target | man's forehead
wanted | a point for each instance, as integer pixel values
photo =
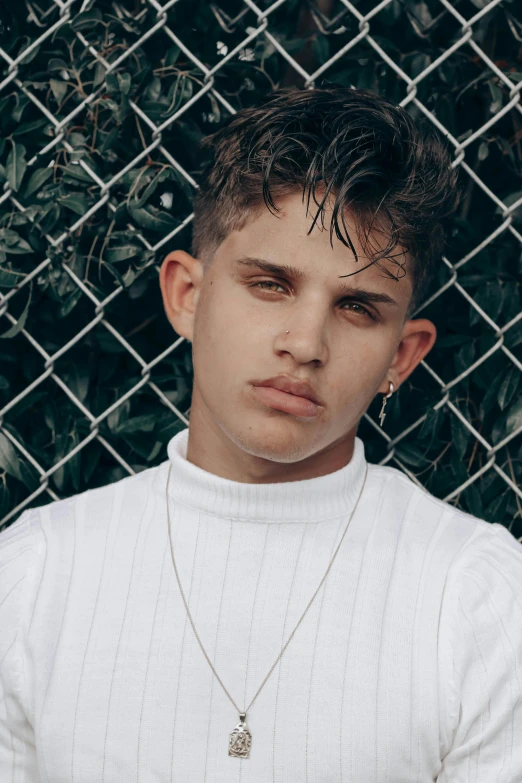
(298, 221)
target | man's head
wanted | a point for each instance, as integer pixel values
(335, 183)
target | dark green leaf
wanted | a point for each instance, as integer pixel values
(460, 435)
(8, 279)
(59, 89)
(491, 396)
(321, 48)
(12, 242)
(56, 64)
(144, 423)
(29, 127)
(483, 151)
(152, 218)
(73, 171)
(69, 302)
(497, 508)
(508, 386)
(30, 55)
(431, 424)
(21, 103)
(16, 165)
(49, 217)
(87, 19)
(36, 180)
(9, 460)
(77, 202)
(124, 83)
(121, 253)
(514, 419)
(172, 55)
(411, 455)
(153, 91)
(474, 501)
(19, 325)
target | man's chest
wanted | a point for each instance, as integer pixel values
(354, 697)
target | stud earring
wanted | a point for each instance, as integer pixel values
(382, 414)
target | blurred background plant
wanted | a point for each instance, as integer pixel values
(102, 108)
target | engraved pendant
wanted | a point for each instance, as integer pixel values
(240, 739)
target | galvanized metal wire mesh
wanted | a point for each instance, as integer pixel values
(108, 102)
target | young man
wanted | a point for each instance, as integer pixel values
(265, 605)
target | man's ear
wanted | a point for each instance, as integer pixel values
(418, 338)
(180, 283)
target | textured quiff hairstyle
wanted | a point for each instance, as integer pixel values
(345, 149)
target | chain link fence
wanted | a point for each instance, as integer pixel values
(103, 105)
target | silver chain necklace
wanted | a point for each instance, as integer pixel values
(240, 739)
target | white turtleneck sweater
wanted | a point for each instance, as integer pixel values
(407, 667)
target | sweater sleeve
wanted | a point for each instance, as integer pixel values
(481, 680)
(20, 545)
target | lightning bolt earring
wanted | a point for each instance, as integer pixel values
(382, 414)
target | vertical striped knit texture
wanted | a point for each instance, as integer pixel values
(407, 667)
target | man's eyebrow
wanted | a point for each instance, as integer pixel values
(345, 289)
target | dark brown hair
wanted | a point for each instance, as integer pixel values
(350, 148)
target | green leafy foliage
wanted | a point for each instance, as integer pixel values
(100, 124)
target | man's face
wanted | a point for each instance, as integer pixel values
(340, 343)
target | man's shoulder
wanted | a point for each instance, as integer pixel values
(426, 516)
(94, 510)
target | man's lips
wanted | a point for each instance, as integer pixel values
(286, 402)
(286, 383)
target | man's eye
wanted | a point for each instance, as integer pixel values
(265, 282)
(362, 310)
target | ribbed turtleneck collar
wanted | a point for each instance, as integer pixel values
(318, 498)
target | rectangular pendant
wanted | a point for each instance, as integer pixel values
(240, 739)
